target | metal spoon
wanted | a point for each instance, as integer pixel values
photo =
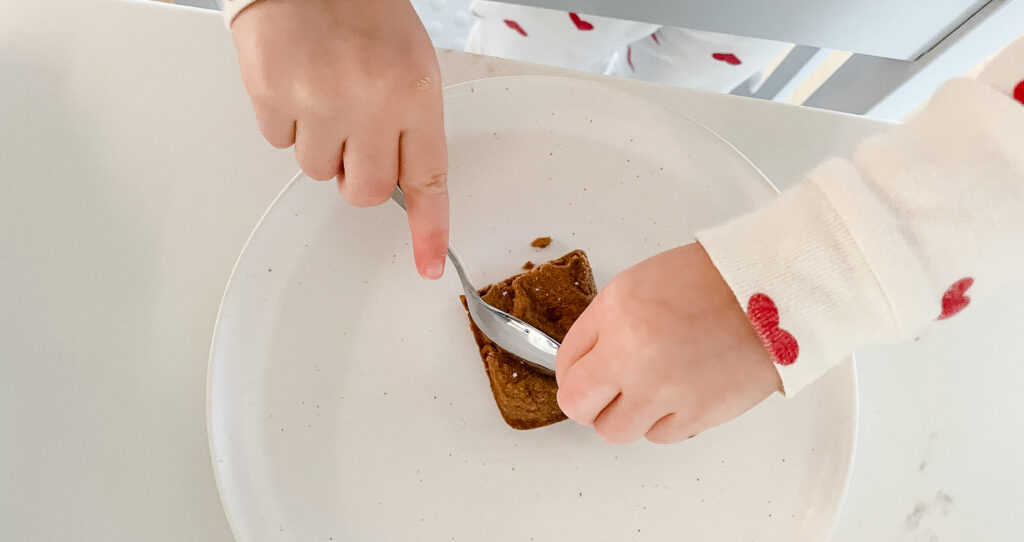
(510, 333)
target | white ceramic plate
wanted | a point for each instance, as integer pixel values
(347, 400)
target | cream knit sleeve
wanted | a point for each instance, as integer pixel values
(918, 224)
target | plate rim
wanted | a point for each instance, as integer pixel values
(848, 366)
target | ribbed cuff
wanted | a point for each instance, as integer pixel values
(806, 285)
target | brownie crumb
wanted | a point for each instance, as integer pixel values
(528, 266)
(541, 242)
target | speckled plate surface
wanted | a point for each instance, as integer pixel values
(347, 400)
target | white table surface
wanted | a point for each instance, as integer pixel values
(132, 173)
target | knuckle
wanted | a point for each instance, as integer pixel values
(668, 396)
(315, 99)
(437, 182)
(340, 101)
(433, 183)
(612, 294)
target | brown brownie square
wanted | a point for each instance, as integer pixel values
(550, 297)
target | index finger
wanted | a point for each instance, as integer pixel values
(423, 176)
(579, 341)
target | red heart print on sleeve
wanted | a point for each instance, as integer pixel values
(764, 316)
(515, 26)
(1018, 92)
(728, 58)
(955, 299)
(580, 23)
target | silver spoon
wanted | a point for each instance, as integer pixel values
(510, 333)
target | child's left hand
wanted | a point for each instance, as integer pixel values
(665, 352)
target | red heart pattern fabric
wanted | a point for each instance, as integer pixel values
(955, 299)
(764, 316)
(580, 23)
(515, 26)
(728, 58)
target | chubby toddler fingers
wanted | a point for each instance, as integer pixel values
(370, 164)
(586, 389)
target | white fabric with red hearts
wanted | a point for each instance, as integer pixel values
(917, 225)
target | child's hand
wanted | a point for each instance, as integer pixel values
(665, 352)
(355, 86)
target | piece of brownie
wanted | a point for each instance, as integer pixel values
(550, 297)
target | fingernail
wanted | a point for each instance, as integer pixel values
(435, 270)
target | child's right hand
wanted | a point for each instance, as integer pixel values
(355, 86)
(664, 351)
